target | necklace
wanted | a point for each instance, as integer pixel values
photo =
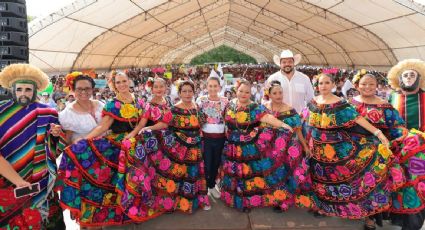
(126, 100)
(274, 110)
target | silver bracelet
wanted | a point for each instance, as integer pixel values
(377, 132)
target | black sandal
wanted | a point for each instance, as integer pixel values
(246, 210)
(277, 209)
(369, 225)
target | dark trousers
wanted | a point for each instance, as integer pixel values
(213, 148)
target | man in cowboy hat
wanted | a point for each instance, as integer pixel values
(27, 153)
(407, 79)
(297, 87)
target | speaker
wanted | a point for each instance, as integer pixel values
(14, 52)
(13, 9)
(14, 38)
(14, 24)
(6, 62)
(13, 32)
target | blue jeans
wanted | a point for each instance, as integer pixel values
(213, 148)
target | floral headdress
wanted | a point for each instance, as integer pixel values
(110, 80)
(149, 84)
(70, 79)
(358, 76)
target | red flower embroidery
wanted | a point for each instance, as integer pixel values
(104, 174)
(374, 115)
(32, 217)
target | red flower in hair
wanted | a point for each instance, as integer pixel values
(70, 79)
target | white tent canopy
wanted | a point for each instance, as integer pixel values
(108, 34)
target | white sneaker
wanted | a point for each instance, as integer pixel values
(207, 208)
(214, 192)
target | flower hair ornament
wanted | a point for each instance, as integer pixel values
(110, 79)
(149, 84)
(358, 76)
(70, 79)
(238, 83)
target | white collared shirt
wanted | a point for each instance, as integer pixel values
(297, 92)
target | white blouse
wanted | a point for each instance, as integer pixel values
(80, 123)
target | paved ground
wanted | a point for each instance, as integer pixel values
(221, 217)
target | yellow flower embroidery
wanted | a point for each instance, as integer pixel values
(382, 166)
(365, 153)
(384, 151)
(241, 117)
(231, 114)
(128, 111)
(363, 141)
(325, 121)
(314, 118)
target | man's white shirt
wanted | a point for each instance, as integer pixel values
(297, 92)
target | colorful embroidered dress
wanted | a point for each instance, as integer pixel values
(26, 144)
(138, 197)
(90, 172)
(179, 182)
(289, 149)
(410, 199)
(349, 172)
(254, 173)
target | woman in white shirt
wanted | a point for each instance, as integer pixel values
(84, 114)
(212, 106)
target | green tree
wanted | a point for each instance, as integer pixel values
(222, 54)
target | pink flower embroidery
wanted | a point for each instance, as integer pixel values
(155, 113)
(293, 152)
(117, 104)
(265, 136)
(369, 179)
(168, 203)
(410, 143)
(164, 164)
(133, 211)
(255, 200)
(280, 143)
(396, 175)
(421, 186)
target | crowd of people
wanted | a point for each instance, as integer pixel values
(154, 141)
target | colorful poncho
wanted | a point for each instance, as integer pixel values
(411, 108)
(26, 144)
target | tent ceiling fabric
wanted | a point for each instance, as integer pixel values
(108, 34)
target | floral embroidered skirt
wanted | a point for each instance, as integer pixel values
(89, 170)
(349, 175)
(135, 173)
(179, 182)
(410, 197)
(259, 169)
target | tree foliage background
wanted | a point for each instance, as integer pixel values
(222, 54)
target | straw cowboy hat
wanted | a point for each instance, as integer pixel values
(23, 72)
(287, 54)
